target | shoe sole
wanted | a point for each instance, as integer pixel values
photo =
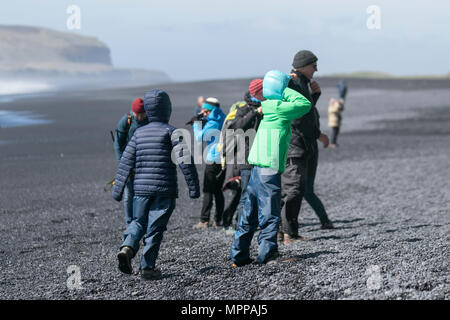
(124, 263)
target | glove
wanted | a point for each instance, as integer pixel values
(197, 117)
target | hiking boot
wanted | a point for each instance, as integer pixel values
(290, 239)
(201, 225)
(242, 263)
(151, 274)
(124, 256)
(280, 236)
(327, 225)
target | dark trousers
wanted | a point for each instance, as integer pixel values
(232, 172)
(334, 134)
(229, 211)
(298, 183)
(245, 178)
(212, 189)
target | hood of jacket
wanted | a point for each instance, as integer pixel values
(274, 83)
(157, 106)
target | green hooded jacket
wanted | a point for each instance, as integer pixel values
(271, 144)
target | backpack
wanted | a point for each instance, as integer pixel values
(109, 185)
(222, 145)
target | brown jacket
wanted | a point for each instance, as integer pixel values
(334, 113)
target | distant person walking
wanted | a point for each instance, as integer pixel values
(125, 129)
(149, 153)
(335, 109)
(302, 161)
(268, 155)
(342, 87)
(213, 119)
(198, 107)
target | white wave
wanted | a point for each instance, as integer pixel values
(23, 86)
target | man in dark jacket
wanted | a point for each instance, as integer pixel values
(149, 153)
(298, 178)
(247, 117)
(125, 129)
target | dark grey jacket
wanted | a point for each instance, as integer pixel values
(305, 130)
(149, 154)
(247, 118)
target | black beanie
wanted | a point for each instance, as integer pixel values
(303, 58)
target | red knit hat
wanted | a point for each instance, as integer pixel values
(138, 106)
(256, 89)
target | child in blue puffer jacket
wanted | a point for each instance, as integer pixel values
(149, 153)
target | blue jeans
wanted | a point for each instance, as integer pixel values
(245, 178)
(150, 218)
(128, 195)
(262, 208)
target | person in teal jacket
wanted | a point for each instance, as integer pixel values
(213, 179)
(124, 132)
(268, 156)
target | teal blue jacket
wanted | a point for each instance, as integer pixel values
(210, 133)
(124, 132)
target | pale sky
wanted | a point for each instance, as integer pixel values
(195, 40)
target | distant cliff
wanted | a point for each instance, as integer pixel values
(63, 57)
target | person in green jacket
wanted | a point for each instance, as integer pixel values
(126, 127)
(268, 156)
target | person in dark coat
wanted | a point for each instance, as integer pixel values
(125, 130)
(149, 153)
(247, 117)
(298, 178)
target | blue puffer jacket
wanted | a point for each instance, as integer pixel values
(210, 133)
(149, 154)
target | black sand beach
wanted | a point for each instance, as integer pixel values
(386, 188)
